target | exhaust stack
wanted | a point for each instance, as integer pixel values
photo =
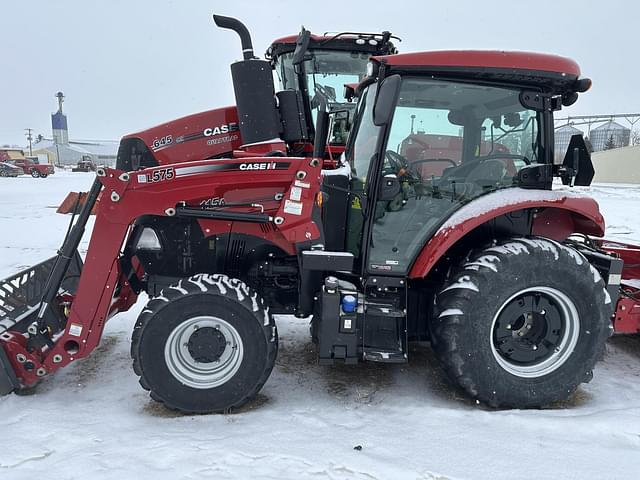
(242, 31)
(253, 88)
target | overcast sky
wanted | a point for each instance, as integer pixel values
(125, 65)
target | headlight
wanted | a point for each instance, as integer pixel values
(148, 240)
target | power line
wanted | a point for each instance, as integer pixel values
(29, 137)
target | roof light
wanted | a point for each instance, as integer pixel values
(361, 41)
(373, 42)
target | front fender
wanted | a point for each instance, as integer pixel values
(565, 212)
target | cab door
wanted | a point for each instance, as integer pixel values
(361, 154)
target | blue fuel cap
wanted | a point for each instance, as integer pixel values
(349, 303)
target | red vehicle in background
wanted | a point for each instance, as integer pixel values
(32, 167)
(29, 165)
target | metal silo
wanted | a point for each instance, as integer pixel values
(563, 136)
(609, 133)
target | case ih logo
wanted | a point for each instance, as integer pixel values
(225, 128)
(258, 166)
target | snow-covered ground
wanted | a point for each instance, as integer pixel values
(92, 419)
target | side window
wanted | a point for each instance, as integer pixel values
(514, 134)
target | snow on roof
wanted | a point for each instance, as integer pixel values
(107, 148)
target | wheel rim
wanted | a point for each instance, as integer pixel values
(34, 173)
(534, 332)
(204, 352)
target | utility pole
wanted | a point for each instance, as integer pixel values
(29, 137)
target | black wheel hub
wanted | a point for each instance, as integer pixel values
(529, 329)
(206, 344)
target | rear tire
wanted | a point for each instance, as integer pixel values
(205, 345)
(43, 175)
(522, 324)
(35, 173)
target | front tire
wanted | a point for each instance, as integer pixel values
(523, 323)
(205, 345)
(43, 175)
(35, 173)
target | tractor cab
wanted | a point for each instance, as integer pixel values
(435, 130)
(449, 152)
(319, 66)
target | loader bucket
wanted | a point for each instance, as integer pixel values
(21, 294)
(73, 202)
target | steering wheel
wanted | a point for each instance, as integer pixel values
(468, 166)
(400, 164)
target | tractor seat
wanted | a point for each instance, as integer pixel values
(487, 173)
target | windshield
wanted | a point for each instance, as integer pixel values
(326, 73)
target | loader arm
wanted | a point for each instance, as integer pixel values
(161, 192)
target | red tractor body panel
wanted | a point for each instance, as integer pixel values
(203, 135)
(627, 315)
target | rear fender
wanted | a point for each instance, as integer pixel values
(560, 214)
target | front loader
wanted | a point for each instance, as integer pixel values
(506, 276)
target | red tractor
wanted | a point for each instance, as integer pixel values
(306, 66)
(503, 274)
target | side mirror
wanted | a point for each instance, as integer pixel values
(389, 188)
(302, 45)
(577, 168)
(386, 101)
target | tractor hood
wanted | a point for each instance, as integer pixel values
(209, 134)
